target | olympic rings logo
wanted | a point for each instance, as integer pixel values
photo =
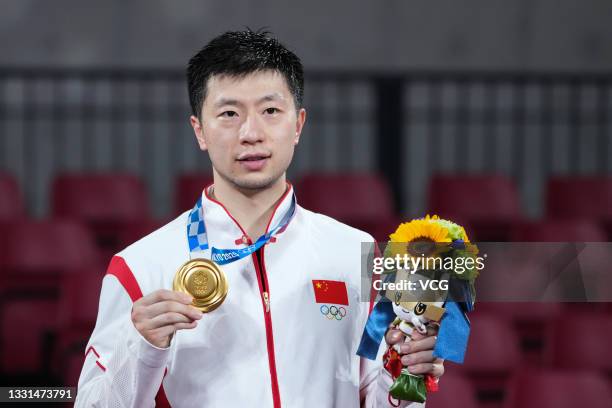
(333, 312)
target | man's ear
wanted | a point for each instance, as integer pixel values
(299, 124)
(199, 132)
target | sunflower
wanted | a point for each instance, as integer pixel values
(425, 229)
(423, 236)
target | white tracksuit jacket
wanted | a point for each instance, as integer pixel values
(245, 353)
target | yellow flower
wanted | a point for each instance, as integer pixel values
(421, 230)
(464, 234)
(420, 237)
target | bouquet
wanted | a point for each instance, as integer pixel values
(426, 251)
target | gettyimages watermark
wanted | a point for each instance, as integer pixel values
(505, 272)
(417, 264)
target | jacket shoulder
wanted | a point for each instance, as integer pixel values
(331, 228)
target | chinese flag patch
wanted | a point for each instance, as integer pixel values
(328, 291)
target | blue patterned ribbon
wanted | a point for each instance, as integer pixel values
(380, 318)
(453, 335)
(198, 238)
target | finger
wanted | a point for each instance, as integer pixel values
(167, 319)
(418, 358)
(435, 369)
(432, 330)
(162, 333)
(394, 336)
(181, 326)
(413, 346)
(159, 308)
(163, 295)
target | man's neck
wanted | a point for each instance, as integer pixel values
(251, 208)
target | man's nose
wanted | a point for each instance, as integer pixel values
(251, 130)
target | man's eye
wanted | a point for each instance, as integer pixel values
(229, 114)
(271, 111)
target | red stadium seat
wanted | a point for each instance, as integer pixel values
(106, 202)
(520, 312)
(489, 204)
(454, 391)
(80, 292)
(77, 313)
(492, 354)
(361, 200)
(188, 189)
(559, 389)
(493, 346)
(530, 321)
(72, 366)
(579, 197)
(581, 341)
(27, 327)
(559, 231)
(38, 253)
(11, 201)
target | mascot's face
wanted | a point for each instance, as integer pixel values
(404, 314)
(411, 311)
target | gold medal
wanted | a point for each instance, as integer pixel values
(204, 281)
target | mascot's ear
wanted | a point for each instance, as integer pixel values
(434, 313)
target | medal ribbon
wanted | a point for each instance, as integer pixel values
(198, 238)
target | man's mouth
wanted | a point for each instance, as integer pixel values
(253, 162)
(253, 157)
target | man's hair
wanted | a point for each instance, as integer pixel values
(239, 53)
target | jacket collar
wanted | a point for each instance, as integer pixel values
(221, 225)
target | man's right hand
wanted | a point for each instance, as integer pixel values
(159, 314)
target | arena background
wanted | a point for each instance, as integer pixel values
(496, 114)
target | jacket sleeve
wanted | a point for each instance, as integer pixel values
(121, 369)
(375, 382)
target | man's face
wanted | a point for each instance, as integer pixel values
(250, 127)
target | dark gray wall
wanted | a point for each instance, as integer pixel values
(390, 34)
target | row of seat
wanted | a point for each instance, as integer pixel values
(499, 370)
(56, 344)
(527, 388)
(577, 208)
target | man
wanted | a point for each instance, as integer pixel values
(269, 343)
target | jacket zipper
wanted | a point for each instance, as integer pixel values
(260, 267)
(264, 287)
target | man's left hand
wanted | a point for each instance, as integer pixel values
(417, 354)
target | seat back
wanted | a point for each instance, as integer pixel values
(579, 197)
(113, 198)
(349, 197)
(559, 389)
(474, 198)
(572, 230)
